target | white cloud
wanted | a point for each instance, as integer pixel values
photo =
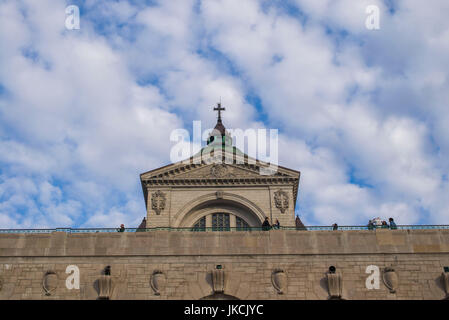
(362, 113)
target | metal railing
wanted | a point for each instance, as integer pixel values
(193, 229)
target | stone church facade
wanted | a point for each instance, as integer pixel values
(203, 240)
(220, 187)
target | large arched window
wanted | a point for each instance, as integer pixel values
(220, 221)
(200, 225)
(241, 224)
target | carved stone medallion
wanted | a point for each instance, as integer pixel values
(281, 200)
(219, 170)
(158, 281)
(49, 282)
(158, 201)
(279, 280)
(391, 279)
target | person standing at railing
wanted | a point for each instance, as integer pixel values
(370, 225)
(277, 225)
(393, 225)
(377, 222)
(122, 228)
(266, 225)
(335, 226)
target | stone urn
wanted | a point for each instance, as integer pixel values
(50, 282)
(279, 280)
(218, 280)
(105, 287)
(334, 283)
(158, 281)
(445, 279)
(390, 279)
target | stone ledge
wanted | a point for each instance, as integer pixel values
(285, 242)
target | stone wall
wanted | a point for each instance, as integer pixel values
(248, 259)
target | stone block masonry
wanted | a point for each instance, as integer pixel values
(183, 265)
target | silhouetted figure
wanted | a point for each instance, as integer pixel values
(122, 228)
(370, 225)
(393, 225)
(266, 224)
(335, 226)
(277, 225)
(299, 225)
(384, 224)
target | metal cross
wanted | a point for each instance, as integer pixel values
(219, 109)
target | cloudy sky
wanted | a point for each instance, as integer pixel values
(363, 114)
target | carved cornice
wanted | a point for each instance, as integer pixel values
(215, 181)
(177, 169)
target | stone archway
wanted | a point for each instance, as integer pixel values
(226, 202)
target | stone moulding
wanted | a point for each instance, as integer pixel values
(279, 280)
(158, 281)
(1, 283)
(49, 282)
(334, 285)
(390, 279)
(445, 279)
(218, 280)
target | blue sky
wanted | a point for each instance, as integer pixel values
(363, 114)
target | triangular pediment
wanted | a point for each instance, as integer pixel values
(218, 170)
(242, 170)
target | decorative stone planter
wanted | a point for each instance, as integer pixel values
(445, 279)
(390, 279)
(105, 287)
(158, 281)
(50, 282)
(218, 280)
(334, 285)
(279, 280)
